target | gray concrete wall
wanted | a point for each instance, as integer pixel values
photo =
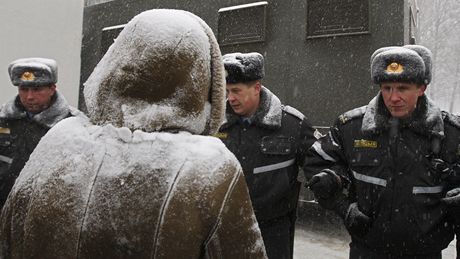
(322, 77)
(45, 28)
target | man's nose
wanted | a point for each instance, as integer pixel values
(394, 95)
(230, 97)
(30, 94)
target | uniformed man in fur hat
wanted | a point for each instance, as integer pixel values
(26, 118)
(269, 139)
(387, 168)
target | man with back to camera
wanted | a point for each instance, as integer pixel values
(387, 168)
(269, 139)
(142, 178)
(25, 119)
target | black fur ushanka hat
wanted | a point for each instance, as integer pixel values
(410, 63)
(243, 67)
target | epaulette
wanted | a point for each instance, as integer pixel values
(293, 111)
(352, 114)
(452, 119)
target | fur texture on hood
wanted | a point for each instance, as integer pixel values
(161, 74)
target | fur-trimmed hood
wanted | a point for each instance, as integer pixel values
(426, 119)
(161, 74)
(268, 114)
(58, 111)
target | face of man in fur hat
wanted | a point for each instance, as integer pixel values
(244, 97)
(401, 98)
(403, 74)
(36, 99)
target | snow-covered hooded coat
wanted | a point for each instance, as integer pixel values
(139, 180)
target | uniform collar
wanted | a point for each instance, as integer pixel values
(268, 114)
(58, 110)
(426, 119)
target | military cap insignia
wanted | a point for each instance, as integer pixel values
(395, 68)
(363, 143)
(27, 76)
(343, 118)
(4, 130)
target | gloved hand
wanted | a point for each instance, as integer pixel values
(356, 222)
(452, 197)
(440, 167)
(324, 184)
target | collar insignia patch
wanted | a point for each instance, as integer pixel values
(221, 135)
(4, 130)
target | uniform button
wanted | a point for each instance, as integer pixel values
(244, 158)
(396, 210)
(244, 129)
(400, 173)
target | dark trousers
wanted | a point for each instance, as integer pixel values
(276, 234)
(360, 252)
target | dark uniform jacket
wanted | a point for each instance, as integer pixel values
(270, 150)
(390, 173)
(19, 135)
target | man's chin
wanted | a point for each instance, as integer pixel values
(399, 113)
(34, 108)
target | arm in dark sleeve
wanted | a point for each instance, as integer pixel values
(327, 153)
(308, 136)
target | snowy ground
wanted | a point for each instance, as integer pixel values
(314, 245)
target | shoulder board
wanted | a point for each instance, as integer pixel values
(452, 119)
(293, 111)
(352, 114)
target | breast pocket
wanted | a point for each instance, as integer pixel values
(277, 145)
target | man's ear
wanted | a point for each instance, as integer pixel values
(422, 90)
(258, 86)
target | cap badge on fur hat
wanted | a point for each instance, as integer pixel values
(395, 68)
(33, 72)
(27, 76)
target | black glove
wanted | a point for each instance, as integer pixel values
(440, 167)
(356, 222)
(452, 197)
(324, 184)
